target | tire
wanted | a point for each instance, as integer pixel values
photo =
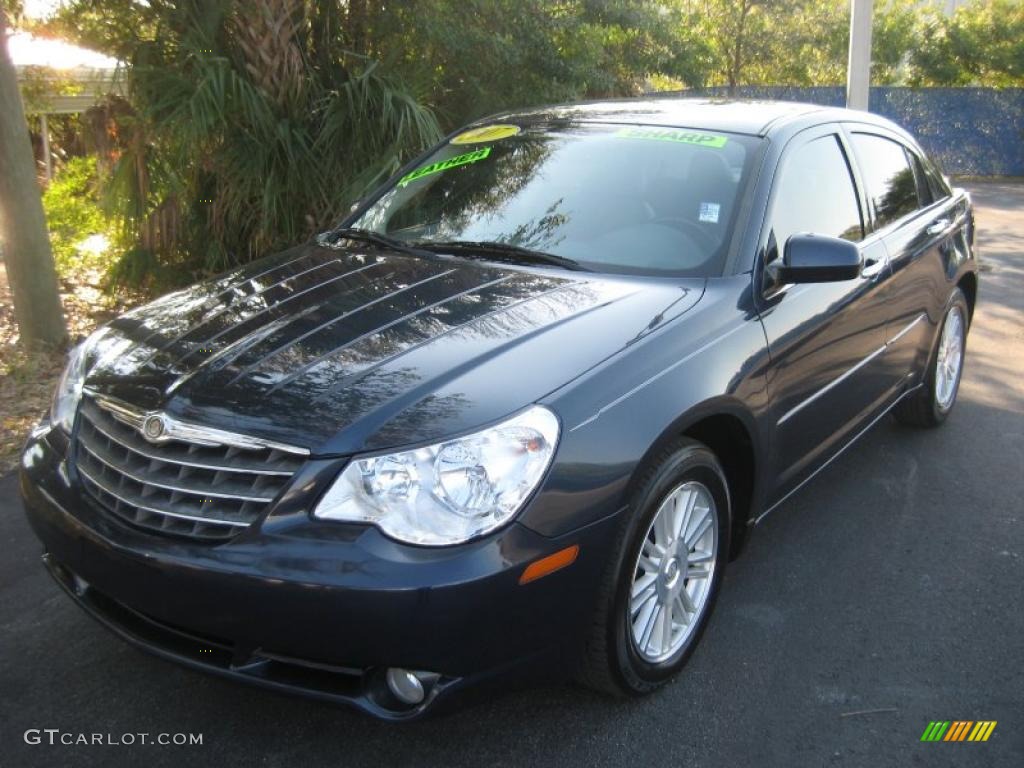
(615, 660)
(932, 403)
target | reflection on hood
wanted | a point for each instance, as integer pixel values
(385, 348)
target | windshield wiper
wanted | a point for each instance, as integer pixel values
(504, 251)
(330, 239)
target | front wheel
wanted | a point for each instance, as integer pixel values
(658, 593)
(932, 403)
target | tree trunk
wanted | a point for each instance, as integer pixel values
(23, 236)
(357, 26)
(736, 65)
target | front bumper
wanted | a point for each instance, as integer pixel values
(316, 608)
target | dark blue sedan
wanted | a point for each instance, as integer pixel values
(516, 412)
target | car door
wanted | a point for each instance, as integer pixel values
(825, 339)
(915, 215)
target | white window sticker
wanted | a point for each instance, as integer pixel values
(709, 212)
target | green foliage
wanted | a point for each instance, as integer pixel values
(801, 42)
(981, 44)
(113, 27)
(12, 10)
(73, 214)
(895, 34)
(478, 57)
(246, 134)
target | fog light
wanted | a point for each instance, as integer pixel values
(404, 685)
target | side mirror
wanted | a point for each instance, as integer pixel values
(811, 258)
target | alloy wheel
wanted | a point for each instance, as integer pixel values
(673, 572)
(950, 359)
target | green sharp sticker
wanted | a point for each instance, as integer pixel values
(673, 134)
(444, 165)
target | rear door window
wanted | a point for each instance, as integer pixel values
(925, 195)
(939, 189)
(888, 177)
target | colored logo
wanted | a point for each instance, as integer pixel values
(673, 134)
(452, 162)
(958, 730)
(487, 133)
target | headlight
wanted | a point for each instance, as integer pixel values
(69, 388)
(449, 492)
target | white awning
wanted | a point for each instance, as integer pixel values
(57, 77)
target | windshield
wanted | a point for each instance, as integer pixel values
(634, 199)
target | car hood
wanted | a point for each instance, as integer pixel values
(340, 351)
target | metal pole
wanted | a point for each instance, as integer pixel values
(46, 146)
(858, 70)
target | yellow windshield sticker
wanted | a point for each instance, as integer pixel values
(443, 165)
(486, 133)
(673, 134)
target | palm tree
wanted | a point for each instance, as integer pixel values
(254, 127)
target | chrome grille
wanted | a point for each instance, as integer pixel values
(199, 487)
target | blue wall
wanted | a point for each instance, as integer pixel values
(968, 131)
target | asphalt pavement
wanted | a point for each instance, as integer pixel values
(886, 594)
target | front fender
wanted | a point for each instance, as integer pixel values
(710, 361)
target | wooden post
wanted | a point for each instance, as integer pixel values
(46, 147)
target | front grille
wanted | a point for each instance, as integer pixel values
(205, 490)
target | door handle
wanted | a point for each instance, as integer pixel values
(937, 227)
(872, 267)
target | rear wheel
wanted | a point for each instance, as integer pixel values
(659, 591)
(932, 403)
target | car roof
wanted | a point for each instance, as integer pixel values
(754, 117)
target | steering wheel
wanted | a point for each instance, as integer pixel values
(688, 227)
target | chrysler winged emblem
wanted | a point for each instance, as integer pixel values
(153, 427)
